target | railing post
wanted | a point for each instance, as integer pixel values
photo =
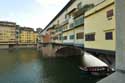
(119, 75)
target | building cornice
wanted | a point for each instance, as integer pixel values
(65, 7)
(98, 8)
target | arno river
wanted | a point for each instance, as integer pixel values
(28, 66)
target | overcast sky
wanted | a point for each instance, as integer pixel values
(31, 13)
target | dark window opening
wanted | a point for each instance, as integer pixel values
(90, 37)
(65, 37)
(80, 35)
(108, 36)
(55, 38)
(110, 13)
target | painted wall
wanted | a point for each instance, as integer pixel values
(28, 37)
(98, 23)
(78, 30)
(7, 35)
(62, 18)
(74, 32)
(68, 33)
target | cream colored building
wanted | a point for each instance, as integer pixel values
(27, 36)
(99, 29)
(68, 28)
(7, 33)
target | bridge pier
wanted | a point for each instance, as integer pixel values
(47, 50)
(119, 75)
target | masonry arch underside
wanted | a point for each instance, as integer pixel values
(86, 59)
(69, 51)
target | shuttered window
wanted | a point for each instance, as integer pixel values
(110, 13)
(65, 38)
(80, 35)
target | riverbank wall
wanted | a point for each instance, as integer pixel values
(17, 46)
(25, 46)
(4, 46)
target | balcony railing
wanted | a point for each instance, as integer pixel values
(58, 28)
(82, 10)
(58, 31)
(79, 12)
(65, 22)
(77, 22)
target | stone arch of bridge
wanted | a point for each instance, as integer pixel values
(69, 51)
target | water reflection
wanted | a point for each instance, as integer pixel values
(58, 71)
(27, 55)
(27, 66)
(7, 60)
(19, 66)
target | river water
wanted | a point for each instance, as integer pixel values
(28, 66)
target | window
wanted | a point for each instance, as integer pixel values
(65, 37)
(71, 37)
(71, 25)
(66, 27)
(52, 33)
(66, 16)
(90, 37)
(55, 38)
(110, 13)
(80, 35)
(108, 36)
(58, 22)
(60, 37)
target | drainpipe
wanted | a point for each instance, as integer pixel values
(119, 75)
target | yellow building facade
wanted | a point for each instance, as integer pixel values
(69, 22)
(27, 36)
(99, 29)
(94, 29)
(75, 34)
(7, 33)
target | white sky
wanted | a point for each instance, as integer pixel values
(31, 13)
(50, 8)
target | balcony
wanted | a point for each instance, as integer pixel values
(79, 12)
(77, 22)
(71, 25)
(82, 10)
(65, 22)
(56, 26)
(59, 30)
